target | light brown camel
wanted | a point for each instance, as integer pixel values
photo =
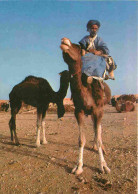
(87, 100)
(122, 99)
(126, 97)
(125, 106)
(124, 103)
(37, 92)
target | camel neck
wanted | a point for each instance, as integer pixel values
(76, 83)
(63, 88)
(76, 77)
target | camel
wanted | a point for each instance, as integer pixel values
(124, 103)
(113, 101)
(126, 97)
(4, 106)
(125, 106)
(38, 93)
(123, 98)
(88, 99)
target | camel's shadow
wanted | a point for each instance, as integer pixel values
(24, 150)
(28, 143)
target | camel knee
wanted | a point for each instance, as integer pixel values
(82, 140)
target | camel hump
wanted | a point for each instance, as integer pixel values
(126, 97)
(31, 78)
(34, 79)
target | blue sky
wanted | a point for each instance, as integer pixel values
(31, 32)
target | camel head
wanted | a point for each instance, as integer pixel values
(64, 76)
(60, 109)
(71, 52)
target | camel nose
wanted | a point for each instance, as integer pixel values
(64, 47)
(65, 41)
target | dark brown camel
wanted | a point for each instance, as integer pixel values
(113, 101)
(87, 100)
(37, 92)
(4, 106)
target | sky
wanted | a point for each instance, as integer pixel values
(31, 32)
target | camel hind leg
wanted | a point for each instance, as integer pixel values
(12, 123)
(41, 112)
(98, 142)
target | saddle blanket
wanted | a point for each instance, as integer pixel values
(93, 65)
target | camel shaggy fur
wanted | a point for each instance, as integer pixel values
(88, 99)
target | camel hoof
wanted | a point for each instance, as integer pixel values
(44, 142)
(17, 144)
(38, 145)
(107, 170)
(61, 119)
(104, 168)
(77, 170)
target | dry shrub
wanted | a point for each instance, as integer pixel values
(69, 108)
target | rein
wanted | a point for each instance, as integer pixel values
(72, 75)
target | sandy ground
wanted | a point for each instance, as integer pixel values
(26, 169)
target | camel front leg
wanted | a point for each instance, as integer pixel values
(43, 128)
(78, 169)
(39, 125)
(103, 165)
(44, 141)
(95, 137)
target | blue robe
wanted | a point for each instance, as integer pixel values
(93, 65)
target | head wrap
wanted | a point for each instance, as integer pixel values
(93, 22)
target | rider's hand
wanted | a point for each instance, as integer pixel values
(98, 52)
(95, 52)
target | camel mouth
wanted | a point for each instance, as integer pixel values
(65, 44)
